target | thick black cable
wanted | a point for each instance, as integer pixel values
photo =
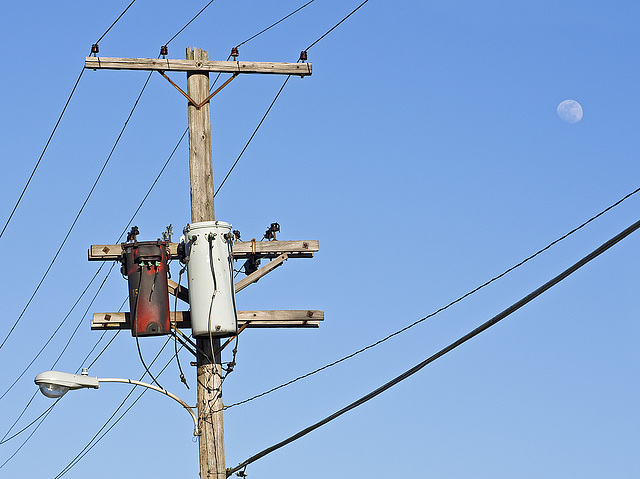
(337, 24)
(79, 212)
(483, 327)
(252, 135)
(274, 24)
(443, 308)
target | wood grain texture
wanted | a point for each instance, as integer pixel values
(197, 65)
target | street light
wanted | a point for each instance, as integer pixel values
(55, 384)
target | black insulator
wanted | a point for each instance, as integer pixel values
(303, 55)
(234, 52)
(95, 49)
(164, 50)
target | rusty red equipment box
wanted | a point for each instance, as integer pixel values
(145, 265)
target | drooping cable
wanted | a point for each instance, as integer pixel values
(483, 327)
(443, 308)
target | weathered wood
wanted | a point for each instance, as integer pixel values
(209, 369)
(260, 272)
(272, 249)
(181, 291)
(302, 318)
(200, 159)
(241, 250)
(197, 65)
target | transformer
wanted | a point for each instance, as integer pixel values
(207, 246)
(145, 266)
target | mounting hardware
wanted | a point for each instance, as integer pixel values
(270, 234)
(132, 236)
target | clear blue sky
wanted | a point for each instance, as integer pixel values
(426, 156)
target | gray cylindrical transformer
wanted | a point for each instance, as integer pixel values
(210, 274)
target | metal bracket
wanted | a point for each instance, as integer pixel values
(191, 100)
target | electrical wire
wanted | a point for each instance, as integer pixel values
(52, 336)
(283, 85)
(28, 437)
(79, 212)
(337, 24)
(95, 439)
(443, 308)
(252, 135)
(35, 168)
(55, 128)
(83, 316)
(483, 327)
(46, 411)
(116, 21)
(189, 22)
(24, 410)
(274, 24)
(101, 171)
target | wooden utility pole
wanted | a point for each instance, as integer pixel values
(209, 367)
(209, 373)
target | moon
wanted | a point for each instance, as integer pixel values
(570, 111)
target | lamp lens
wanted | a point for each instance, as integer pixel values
(53, 390)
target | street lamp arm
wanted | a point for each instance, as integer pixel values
(160, 390)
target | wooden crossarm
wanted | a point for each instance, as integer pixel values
(166, 64)
(257, 319)
(241, 250)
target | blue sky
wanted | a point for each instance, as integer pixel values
(426, 156)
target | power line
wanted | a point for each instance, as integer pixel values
(337, 24)
(443, 308)
(53, 335)
(252, 135)
(116, 21)
(285, 82)
(91, 443)
(189, 22)
(483, 327)
(95, 183)
(55, 128)
(274, 24)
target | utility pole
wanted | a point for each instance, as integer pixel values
(207, 351)
(209, 373)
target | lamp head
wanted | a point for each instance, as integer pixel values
(55, 384)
